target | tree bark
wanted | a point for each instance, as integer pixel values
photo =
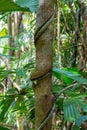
(42, 73)
(11, 52)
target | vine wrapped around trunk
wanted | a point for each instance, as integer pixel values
(42, 73)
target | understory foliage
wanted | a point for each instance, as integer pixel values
(17, 61)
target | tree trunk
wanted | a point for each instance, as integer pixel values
(58, 34)
(11, 52)
(42, 74)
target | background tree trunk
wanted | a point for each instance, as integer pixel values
(42, 74)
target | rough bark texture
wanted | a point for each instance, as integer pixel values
(11, 52)
(42, 74)
(83, 51)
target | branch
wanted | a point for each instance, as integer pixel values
(63, 90)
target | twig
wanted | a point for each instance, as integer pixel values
(63, 90)
(72, 47)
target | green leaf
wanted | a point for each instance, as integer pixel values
(72, 108)
(83, 105)
(20, 72)
(10, 48)
(29, 65)
(59, 103)
(71, 75)
(6, 56)
(5, 37)
(72, 70)
(71, 112)
(4, 73)
(79, 95)
(73, 89)
(3, 128)
(4, 15)
(9, 5)
(80, 120)
(32, 114)
(6, 103)
(31, 4)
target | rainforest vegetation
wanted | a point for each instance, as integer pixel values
(43, 64)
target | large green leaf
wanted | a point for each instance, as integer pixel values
(68, 74)
(70, 108)
(31, 4)
(73, 70)
(9, 5)
(18, 5)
